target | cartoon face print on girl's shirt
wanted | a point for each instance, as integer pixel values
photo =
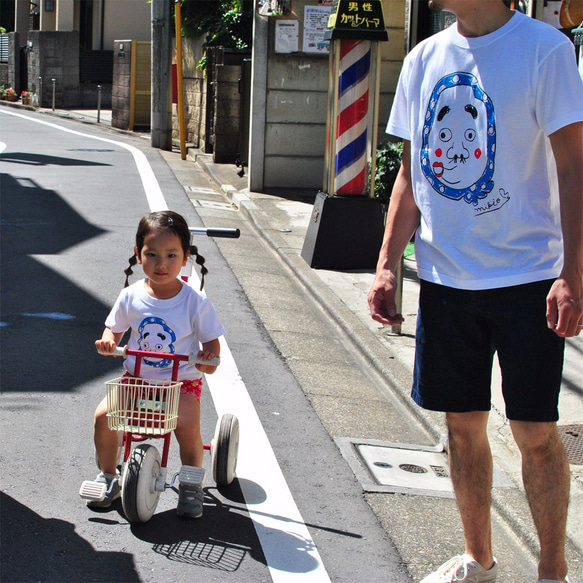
(459, 139)
(156, 336)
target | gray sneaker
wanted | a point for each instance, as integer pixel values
(113, 491)
(190, 501)
(463, 568)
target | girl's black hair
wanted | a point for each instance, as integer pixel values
(175, 223)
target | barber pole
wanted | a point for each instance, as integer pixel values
(352, 120)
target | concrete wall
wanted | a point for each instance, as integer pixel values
(55, 55)
(123, 19)
(289, 102)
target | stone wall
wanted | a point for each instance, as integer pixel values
(55, 55)
(131, 88)
(194, 83)
(226, 114)
(120, 90)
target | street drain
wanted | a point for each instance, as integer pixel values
(403, 468)
(209, 204)
(572, 438)
(200, 190)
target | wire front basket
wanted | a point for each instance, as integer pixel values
(144, 406)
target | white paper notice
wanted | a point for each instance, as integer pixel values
(315, 21)
(286, 36)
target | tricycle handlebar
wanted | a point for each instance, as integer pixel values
(225, 233)
(191, 358)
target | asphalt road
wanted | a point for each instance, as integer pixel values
(71, 199)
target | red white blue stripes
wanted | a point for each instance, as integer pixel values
(352, 119)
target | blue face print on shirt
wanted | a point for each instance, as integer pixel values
(156, 336)
(459, 139)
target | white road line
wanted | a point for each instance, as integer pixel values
(287, 544)
(154, 194)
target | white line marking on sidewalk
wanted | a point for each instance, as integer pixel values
(286, 542)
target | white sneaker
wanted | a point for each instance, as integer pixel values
(463, 568)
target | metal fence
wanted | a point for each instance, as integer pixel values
(3, 47)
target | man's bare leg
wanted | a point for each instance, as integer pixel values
(471, 474)
(546, 476)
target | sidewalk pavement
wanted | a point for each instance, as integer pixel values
(282, 220)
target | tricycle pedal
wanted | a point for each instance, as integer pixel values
(191, 475)
(92, 490)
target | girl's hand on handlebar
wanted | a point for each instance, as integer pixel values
(105, 347)
(108, 341)
(206, 355)
(209, 350)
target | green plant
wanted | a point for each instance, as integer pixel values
(226, 23)
(388, 162)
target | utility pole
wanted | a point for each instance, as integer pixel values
(161, 118)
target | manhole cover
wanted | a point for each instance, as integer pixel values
(406, 468)
(403, 468)
(572, 438)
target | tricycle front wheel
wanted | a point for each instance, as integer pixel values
(138, 490)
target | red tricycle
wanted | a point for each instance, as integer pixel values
(143, 409)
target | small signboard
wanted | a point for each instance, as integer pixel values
(357, 19)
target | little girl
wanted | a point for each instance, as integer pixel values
(164, 315)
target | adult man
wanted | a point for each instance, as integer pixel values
(480, 107)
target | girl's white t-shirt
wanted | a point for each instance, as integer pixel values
(478, 113)
(177, 325)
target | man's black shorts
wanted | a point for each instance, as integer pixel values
(458, 332)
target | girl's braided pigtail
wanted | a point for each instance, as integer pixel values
(128, 271)
(199, 261)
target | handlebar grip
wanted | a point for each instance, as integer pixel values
(225, 233)
(193, 359)
(117, 351)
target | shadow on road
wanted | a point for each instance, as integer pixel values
(43, 314)
(47, 549)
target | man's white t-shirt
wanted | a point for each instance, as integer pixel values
(478, 113)
(177, 326)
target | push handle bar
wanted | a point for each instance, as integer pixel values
(191, 358)
(225, 233)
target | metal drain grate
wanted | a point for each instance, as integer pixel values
(572, 438)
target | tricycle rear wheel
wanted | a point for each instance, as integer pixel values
(225, 449)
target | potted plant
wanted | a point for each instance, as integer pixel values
(11, 94)
(25, 97)
(388, 162)
(2, 93)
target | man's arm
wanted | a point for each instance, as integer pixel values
(402, 220)
(565, 300)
